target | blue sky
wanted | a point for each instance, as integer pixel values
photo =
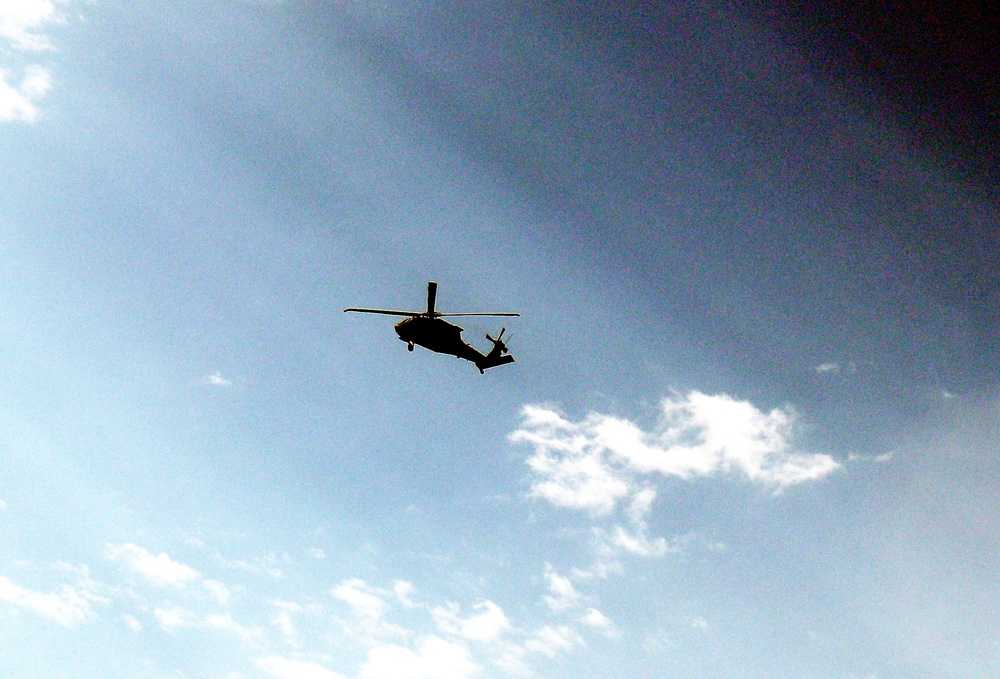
(752, 426)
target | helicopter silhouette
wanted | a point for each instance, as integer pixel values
(429, 330)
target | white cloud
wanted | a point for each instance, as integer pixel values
(284, 668)
(571, 469)
(160, 570)
(17, 103)
(434, 658)
(592, 464)
(217, 380)
(69, 606)
(488, 625)
(827, 368)
(596, 620)
(482, 632)
(21, 20)
(607, 465)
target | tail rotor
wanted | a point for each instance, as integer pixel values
(498, 343)
(498, 354)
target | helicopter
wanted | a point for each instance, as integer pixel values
(431, 331)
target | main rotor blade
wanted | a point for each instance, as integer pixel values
(387, 312)
(487, 313)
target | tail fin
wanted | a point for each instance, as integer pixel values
(492, 361)
(498, 354)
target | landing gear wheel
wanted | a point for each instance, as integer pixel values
(409, 346)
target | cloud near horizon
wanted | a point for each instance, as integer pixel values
(457, 645)
(394, 634)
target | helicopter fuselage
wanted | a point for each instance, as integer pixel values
(446, 338)
(437, 335)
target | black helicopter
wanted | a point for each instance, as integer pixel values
(429, 330)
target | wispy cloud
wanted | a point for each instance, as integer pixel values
(833, 368)
(285, 616)
(172, 618)
(553, 640)
(562, 595)
(266, 565)
(883, 457)
(218, 590)
(635, 538)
